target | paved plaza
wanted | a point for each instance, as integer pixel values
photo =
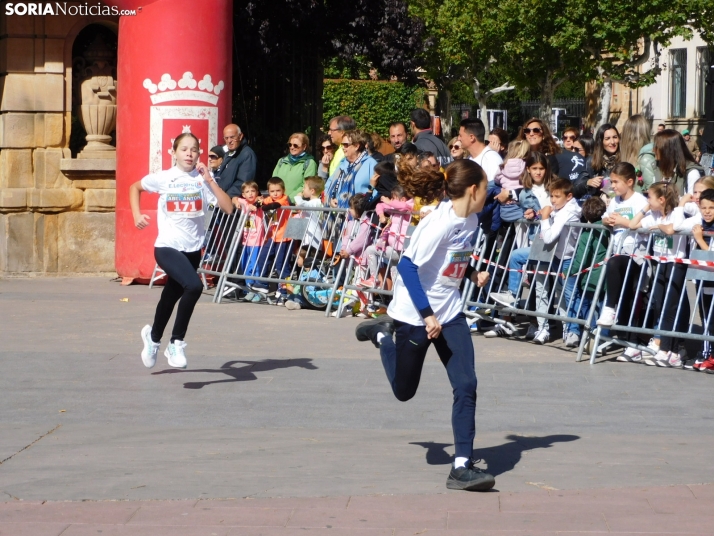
(284, 424)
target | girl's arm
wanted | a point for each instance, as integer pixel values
(224, 200)
(141, 221)
(636, 222)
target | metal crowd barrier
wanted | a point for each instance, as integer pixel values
(536, 278)
(657, 285)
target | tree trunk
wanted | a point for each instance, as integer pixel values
(545, 111)
(605, 98)
(482, 100)
(447, 120)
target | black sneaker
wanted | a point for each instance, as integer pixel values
(470, 478)
(368, 331)
(689, 363)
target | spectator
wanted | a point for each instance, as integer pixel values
(427, 160)
(397, 134)
(661, 127)
(570, 135)
(297, 165)
(584, 146)
(239, 163)
(638, 150)
(605, 155)
(424, 138)
(327, 149)
(472, 135)
(691, 144)
(353, 174)
(382, 182)
(338, 126)
(675, 162)
(374, 146)
(215, 159)
(498, 141)
(454, 145)
(538, 135)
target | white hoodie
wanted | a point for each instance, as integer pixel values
(553, 228)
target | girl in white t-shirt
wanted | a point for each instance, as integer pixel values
(184, 191)
(668, 300)
(427, 308)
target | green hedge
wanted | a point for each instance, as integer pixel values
(372, 104)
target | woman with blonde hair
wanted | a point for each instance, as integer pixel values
(637, 149)
(297, 165)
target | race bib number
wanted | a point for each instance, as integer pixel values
(184, 205)
(455, 271)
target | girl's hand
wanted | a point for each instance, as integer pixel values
(344, 254)
(141, 221)
(236, 202)
(482, 279)
(382, 219)
(667, 228)
(433, 328)
(529, 214)
(203, 170)
(595, 182)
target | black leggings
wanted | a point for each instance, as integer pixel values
(403, 359)
(616, 282)
(184, 284)
(670, 284)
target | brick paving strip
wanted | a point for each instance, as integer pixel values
(653, 510)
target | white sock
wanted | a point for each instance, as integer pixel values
(380, 336)
(460, 462)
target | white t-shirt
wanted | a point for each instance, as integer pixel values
(542, 195)
(627, 209)
(441, 247)
(490, 161)
(182, 199)
(692, 177)
(662, 244)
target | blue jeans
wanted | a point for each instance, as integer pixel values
(542, 287)
(519, 258)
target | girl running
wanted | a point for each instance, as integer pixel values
(183, 192)
(426, 309)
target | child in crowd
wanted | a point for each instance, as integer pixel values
(253, 232)
(509, 178)
(398, 202)
(311, 197)
(690, 202)
(668, 293)
(532, 199)
(274, 255)
(704, 362)
(591, 250)
(623, 272)
(564, 209)
(391, 242)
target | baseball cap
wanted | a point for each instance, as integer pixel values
(685, 132)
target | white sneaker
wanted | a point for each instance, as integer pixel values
(151, 348)
(532, 332)
(630, 355)
(661, 359)
(175, 354)
(572, 340)
(542, 337)
(504, 298)
(652, 345)
(292, 305)
(676, 360)
(607, 317)
(499, 330)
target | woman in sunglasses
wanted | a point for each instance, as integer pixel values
(455, 149)
(297, 165)
(570, 136)
(538, 136)
(215, 159)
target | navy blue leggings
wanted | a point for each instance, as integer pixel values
(403, 359)
(183, 284)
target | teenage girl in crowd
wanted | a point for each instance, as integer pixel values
(426, 309)
(598, 167)
(184, 191)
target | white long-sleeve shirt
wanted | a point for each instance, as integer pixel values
(553, 228)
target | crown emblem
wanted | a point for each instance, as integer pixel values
(187, 88)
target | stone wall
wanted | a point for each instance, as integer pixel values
(56, 213)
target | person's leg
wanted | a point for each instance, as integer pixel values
(578, 309)
(185, 283)
(250, 257)
(372, 261)
(542, 294)
(674, 308)
(518, 260)
(456, 351)
(657, 314)
(403, 358)
(282, 259)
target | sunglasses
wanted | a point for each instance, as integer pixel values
(345, 144)
(327, 147)
(533, 130)
(294, 145)
(457, 147)
(213, 157)
(571, 138)
(579, 149)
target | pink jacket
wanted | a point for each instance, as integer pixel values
(396, 233)
(254, 231)
(401, 206)
(363, 238)
(510, 176)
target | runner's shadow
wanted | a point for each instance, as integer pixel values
(241, 374)
(499, 459)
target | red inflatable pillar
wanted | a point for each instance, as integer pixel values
(174, 75)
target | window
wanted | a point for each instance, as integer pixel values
(678, 82)
(704, 59)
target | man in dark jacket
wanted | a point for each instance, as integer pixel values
(239, 163)
(424, 138)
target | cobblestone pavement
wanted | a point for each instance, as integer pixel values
(284, 422)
